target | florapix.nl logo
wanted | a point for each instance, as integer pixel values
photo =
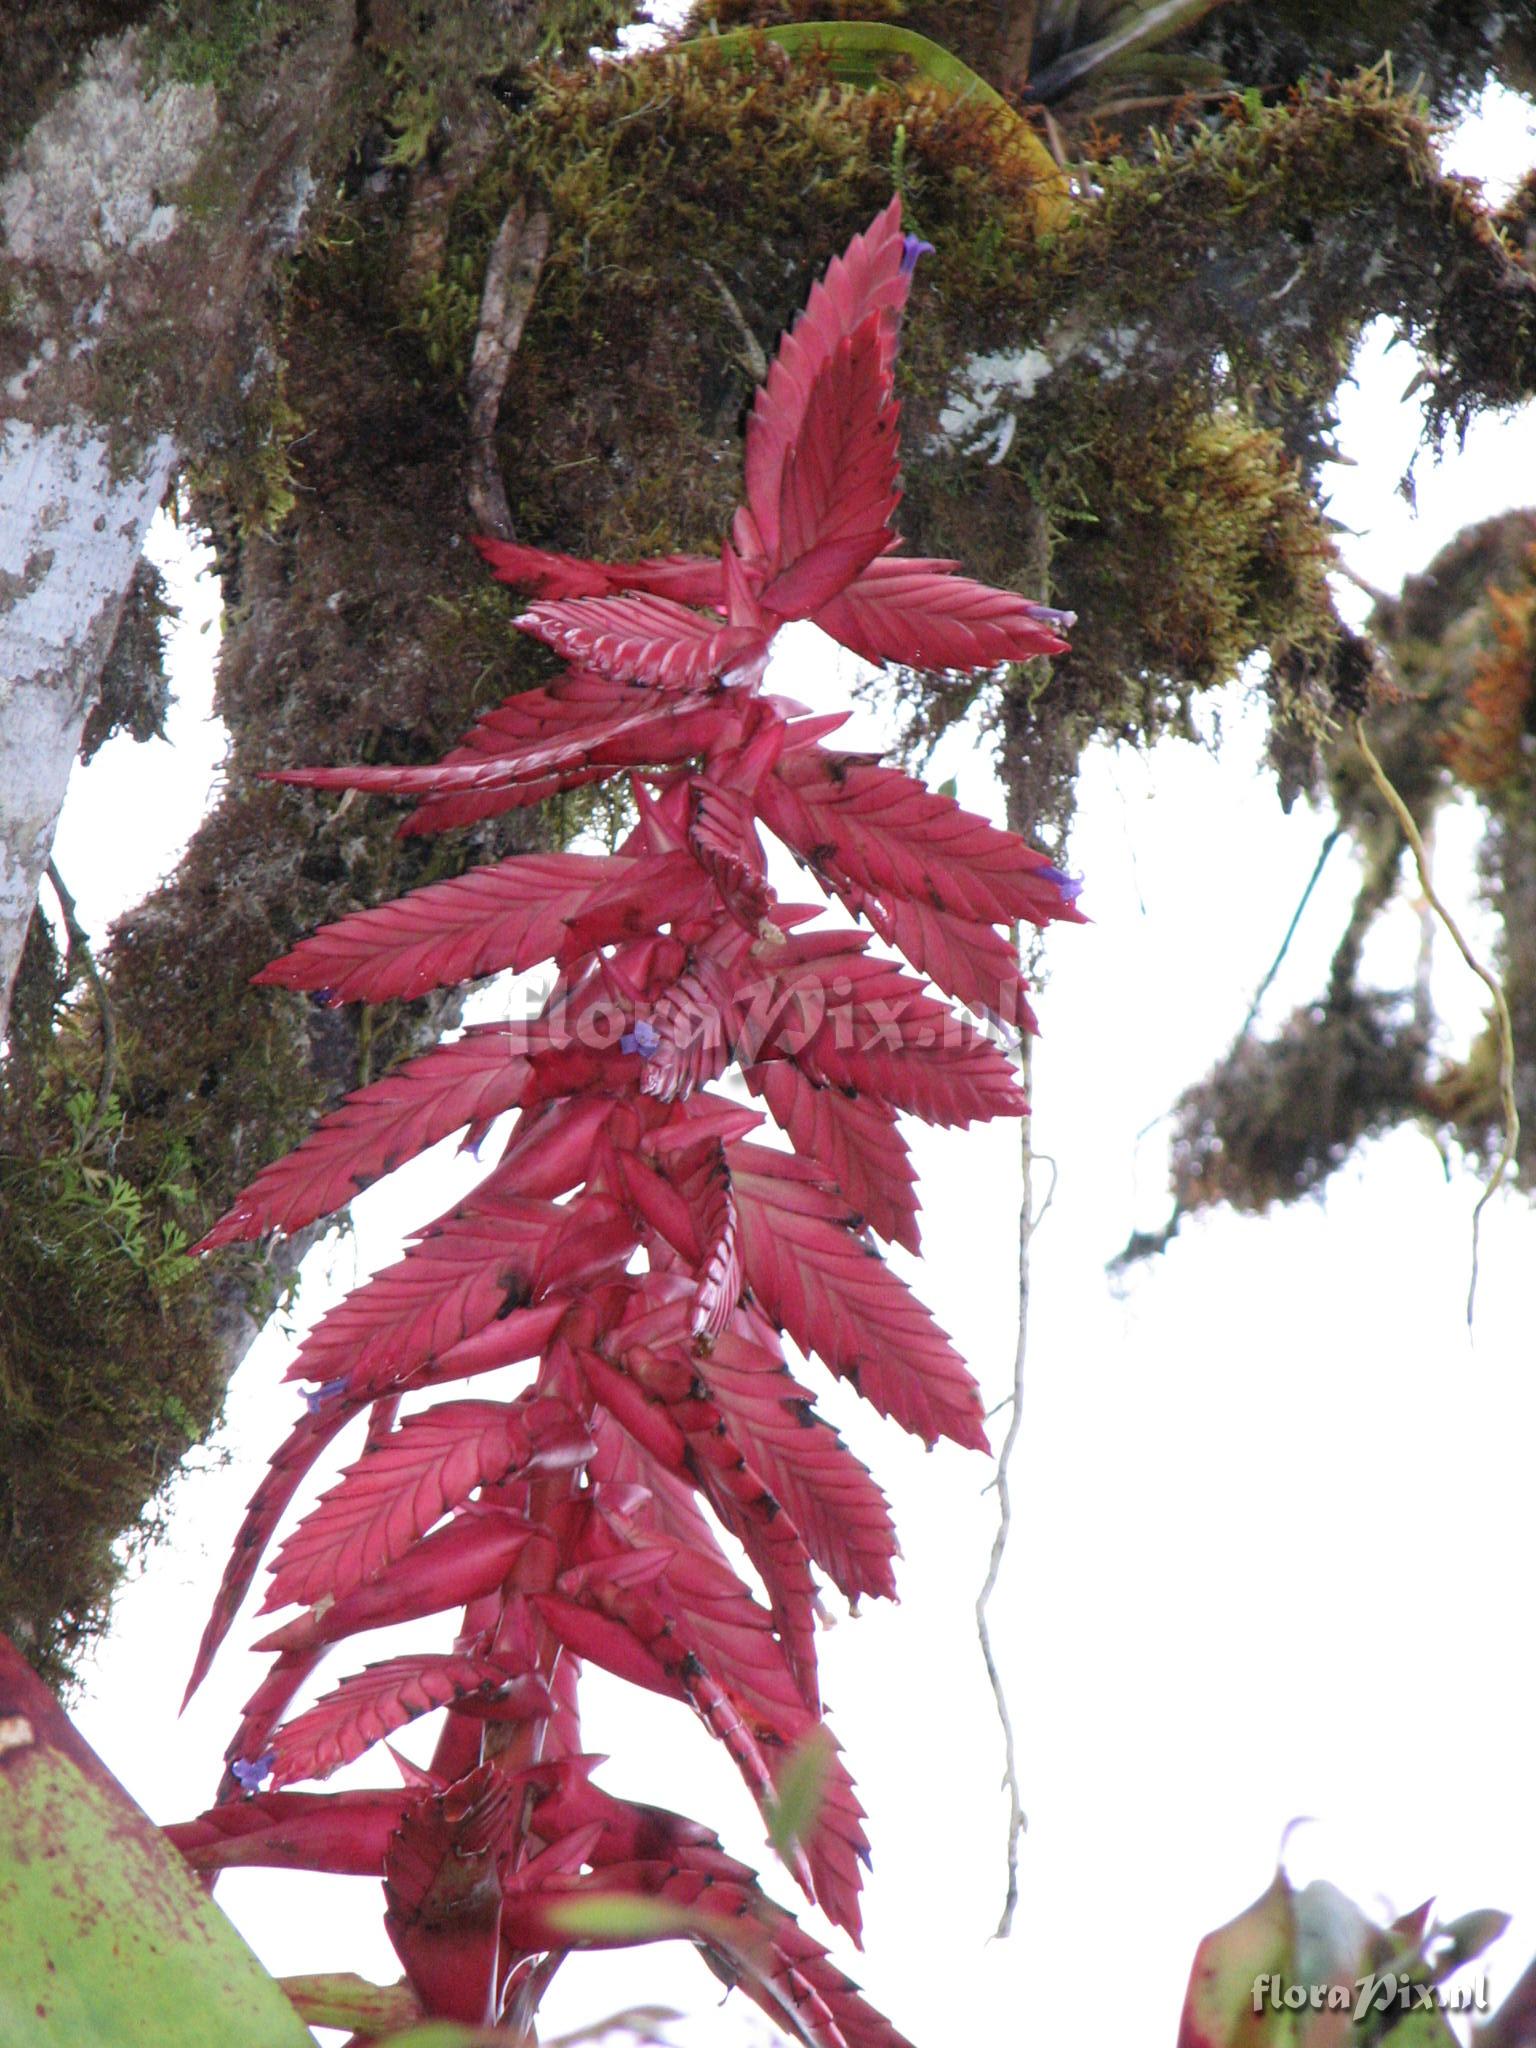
(1379, 1991)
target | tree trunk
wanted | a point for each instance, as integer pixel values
(139, 309)
(70, 535)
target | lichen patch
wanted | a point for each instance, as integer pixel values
(91, 184)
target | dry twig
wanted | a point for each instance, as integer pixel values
(752, 349)
(511, 279)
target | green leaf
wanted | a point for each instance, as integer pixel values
(857, 50)
(1219, 2005)
(108, 1939)
(858, 53)
(620, 1916)
(453, 2034)
(343, 1999)
(802, 1783)
(618, 1919)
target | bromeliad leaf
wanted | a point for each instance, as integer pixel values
(379, 1128)
(512, 915)
(400, 1487)
(374, 1703)
(834, 1294)
(632, 1248)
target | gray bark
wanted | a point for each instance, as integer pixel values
(131, 308)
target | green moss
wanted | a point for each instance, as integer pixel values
(109, 1366)
(251, 464)
(218, 42)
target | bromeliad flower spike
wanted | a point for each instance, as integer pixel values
(635, 1245)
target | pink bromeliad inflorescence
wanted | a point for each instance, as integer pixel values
(634, 1246)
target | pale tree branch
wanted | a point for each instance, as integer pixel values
(511, 280)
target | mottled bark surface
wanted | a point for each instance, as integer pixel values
(70, 536)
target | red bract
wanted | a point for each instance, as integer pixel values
(633, 1244)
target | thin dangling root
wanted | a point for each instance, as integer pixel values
(1485, 975)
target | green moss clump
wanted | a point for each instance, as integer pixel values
(135, 690)
(568, 29)
(110, 1368)
(250, 462)
(218, 42)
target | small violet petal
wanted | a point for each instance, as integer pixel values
(644, 1039)
(315, 1398)
(250, 1775)
(1048, 616)
(911, 249)
(1070, 886)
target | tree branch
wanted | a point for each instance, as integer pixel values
(511, 280)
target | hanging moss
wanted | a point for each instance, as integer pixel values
(135, 691)
(1278, 1116)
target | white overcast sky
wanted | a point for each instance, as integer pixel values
(1272, 1539)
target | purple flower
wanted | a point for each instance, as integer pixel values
(315, 1398)
(1070, 886)
(249, 1776)
(644, 1039)
(911, 249)
(1062, 621)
